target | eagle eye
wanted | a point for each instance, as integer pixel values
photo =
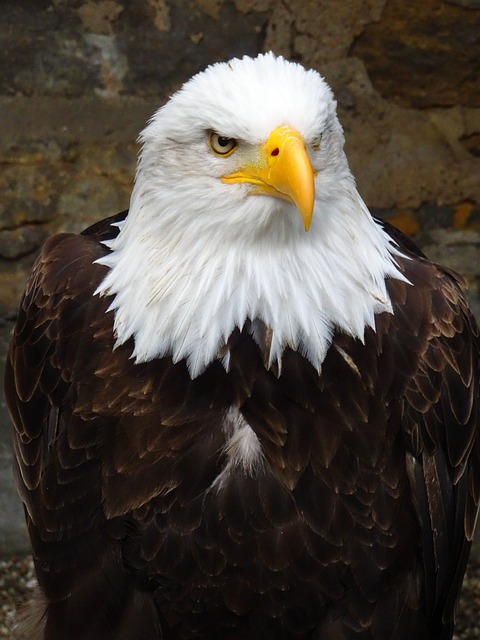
(316, 141)
(221, 145)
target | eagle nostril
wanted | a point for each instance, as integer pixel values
(275, 152)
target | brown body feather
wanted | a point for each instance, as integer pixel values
(358, 525)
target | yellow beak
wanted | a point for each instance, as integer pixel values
(283, 170)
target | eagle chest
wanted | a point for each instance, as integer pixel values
(283, 488)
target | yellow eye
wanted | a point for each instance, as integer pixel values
(222, 145)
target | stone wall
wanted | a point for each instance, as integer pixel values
(79, 79)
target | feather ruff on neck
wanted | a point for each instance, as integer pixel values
(183, 293)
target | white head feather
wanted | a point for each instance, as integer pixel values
(197, 257)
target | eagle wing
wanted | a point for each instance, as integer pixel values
(58, 450)
(441, 420)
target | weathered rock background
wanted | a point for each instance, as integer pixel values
(79, 78)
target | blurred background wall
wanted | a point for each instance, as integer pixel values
(79, 79)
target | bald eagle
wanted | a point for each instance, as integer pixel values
(245, 408)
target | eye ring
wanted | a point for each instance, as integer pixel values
(221, 145)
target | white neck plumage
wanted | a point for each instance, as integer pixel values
(182, 289)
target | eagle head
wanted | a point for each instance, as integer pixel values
(233, 170)
(249, 127)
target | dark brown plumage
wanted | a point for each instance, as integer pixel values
(358, 526)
